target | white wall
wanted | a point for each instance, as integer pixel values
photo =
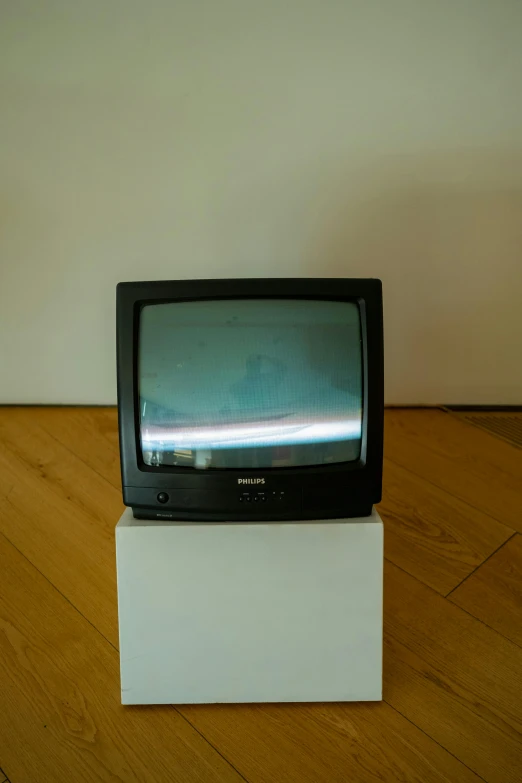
(149, 140)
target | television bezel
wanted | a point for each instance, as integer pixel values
(133, 296)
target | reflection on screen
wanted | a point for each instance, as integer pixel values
(250, 383)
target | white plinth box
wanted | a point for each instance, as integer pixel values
(261, 612)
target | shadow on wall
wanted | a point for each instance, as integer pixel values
(445, 235)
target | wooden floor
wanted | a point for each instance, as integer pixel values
(452, 708)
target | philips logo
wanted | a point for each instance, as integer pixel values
(251, 481)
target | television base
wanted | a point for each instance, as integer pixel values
(250, 612)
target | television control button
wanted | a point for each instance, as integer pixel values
(248, 498)
(263, 498)
(163, 497)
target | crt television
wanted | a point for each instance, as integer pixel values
(255, 399)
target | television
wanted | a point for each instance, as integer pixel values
(253, 399)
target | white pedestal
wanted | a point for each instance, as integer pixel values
(260, 612)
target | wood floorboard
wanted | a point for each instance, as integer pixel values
(465, 461)
(325, 743)
(454, 677)
(61, 514)
(451, 682)
(493, 593)
(432, 535)
(90, 433)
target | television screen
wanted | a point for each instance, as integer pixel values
(250, 383)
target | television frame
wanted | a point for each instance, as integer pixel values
(337, 490)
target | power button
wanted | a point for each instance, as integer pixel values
(163, 497)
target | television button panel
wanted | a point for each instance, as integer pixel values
(262, 497)
(253, 501)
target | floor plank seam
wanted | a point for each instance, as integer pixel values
(490, 627)
(57, 590)
(450, 494)
(432, 739)
(211, 745)
(75, 454)
(481, 564)
(445, 598)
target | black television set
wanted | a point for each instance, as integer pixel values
(250, 399)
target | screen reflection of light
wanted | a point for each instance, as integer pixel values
(157, 438)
